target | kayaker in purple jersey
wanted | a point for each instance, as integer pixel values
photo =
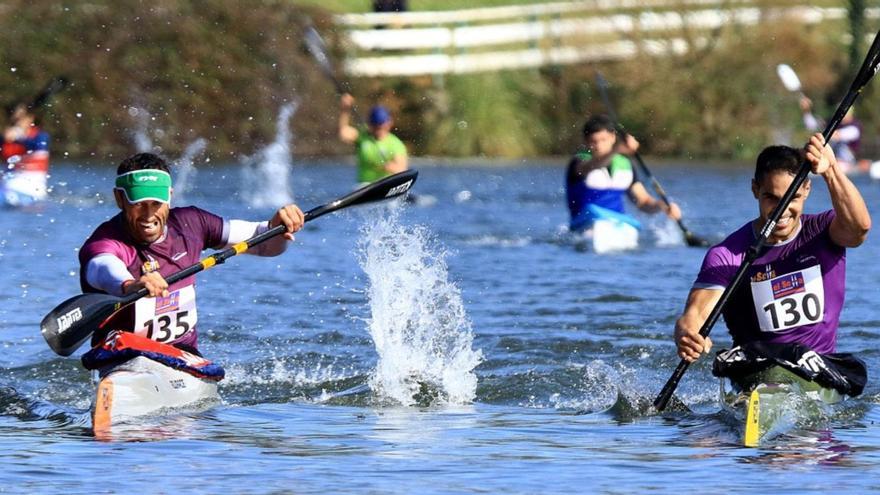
(795, 288)
(148, 240)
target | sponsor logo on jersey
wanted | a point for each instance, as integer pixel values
(168, 304)
(788, 284)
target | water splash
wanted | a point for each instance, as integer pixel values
(185, 170)
(666, 232)
(266, 175)
(141, 133)
(418, 322)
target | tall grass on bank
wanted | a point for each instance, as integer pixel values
(494, 114)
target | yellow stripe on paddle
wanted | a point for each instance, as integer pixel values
(240, 247)
(211, 260)
(752, 436)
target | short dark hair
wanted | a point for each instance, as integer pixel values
(142, 161)
(599, 123)
(778, 158)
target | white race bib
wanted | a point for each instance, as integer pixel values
(791, 300)
(166, 319)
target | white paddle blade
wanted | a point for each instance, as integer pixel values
(316, 47)
(789, 78)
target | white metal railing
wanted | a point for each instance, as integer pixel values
(528, 36)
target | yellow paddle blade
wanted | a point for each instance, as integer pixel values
(752, 436)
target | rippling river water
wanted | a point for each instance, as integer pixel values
(457, 345)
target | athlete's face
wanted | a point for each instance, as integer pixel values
(601, 143)
(145, 220)
(769, 193)
(381, 130)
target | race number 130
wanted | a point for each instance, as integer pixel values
(793, 312)
(791, 300)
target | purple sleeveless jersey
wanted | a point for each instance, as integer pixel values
(190, 231)
(794, 291)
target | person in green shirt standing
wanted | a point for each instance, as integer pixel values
(379, 152)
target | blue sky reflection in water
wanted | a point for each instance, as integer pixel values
(571, 347)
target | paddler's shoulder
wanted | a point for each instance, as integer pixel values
(184, 218)
(187, 211)
(109, 237)
(735, 244)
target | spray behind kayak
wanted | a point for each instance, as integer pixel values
(266, 174)
(417, 317)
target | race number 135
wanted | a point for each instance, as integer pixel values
(168, 327)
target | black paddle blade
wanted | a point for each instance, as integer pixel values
(694, 241)
(72, 322)
(387, 188)
(316, 47)
(54, 86)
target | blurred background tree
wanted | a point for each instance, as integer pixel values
(221, 72)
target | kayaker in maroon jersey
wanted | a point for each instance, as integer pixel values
(148, 240)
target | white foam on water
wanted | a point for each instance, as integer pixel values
(666, 232)
(417, 317)
(498, 241)
(185, 170)
(266, 174)
(284, 371)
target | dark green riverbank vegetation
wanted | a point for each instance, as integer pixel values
(221, 72)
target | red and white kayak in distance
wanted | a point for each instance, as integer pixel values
(24, 188)
(25, 177)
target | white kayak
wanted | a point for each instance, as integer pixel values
(143, 388)
(24, 188)
(608, 236)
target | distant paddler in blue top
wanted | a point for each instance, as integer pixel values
(379, 152)
(600, 175)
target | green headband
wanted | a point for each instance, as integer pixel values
(145, 185)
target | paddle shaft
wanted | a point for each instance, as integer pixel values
(317, 48)
(689, 236)
(869, 67)
(242, 247)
